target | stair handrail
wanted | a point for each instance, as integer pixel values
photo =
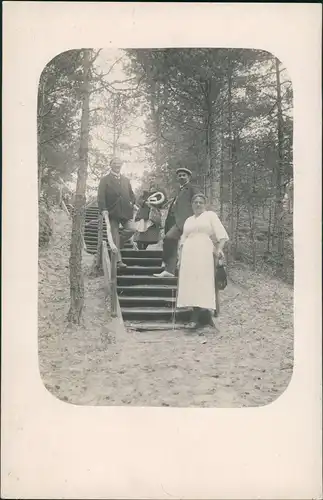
(99, 243)
(64, 207)
(109, 265)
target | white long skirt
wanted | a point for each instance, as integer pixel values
(196, 287)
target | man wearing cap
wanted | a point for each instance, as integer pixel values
(117, 200)
(179, 210)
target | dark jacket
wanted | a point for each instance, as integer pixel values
(143, 212)
(181, 207)
(116, 196)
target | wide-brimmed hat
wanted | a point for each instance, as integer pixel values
(183, 169)
(156, 199)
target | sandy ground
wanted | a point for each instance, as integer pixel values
(246, 361)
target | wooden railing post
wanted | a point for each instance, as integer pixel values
(106, 269)
(113, 285)
(110, 278)
(111, 267)
(64, 207)
(99, 245)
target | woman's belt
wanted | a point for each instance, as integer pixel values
(195, 234)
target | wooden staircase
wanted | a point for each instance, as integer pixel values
(146, 301)
(143, 297)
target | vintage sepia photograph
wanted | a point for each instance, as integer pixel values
(166, 259)
(162, 324)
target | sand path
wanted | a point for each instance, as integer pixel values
(246, 361)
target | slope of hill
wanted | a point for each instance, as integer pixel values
(246, 361)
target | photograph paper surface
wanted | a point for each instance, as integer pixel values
(161, 251)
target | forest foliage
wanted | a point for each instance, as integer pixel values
(226, 114)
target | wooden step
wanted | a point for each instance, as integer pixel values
(91, 243)
(151, 326)
(92, 226)
(151, 290)
(156, 313)
(128, 280)
(143, 261)
(143, 301)
(90, 249)
(92, 213)
(139, 270)
(129, 252)
(91, 240)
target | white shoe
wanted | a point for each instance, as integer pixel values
(164, 274)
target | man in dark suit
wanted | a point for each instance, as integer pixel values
(179, 210)
(116, 199)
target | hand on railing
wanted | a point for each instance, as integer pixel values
(114, 248)
(112, 245)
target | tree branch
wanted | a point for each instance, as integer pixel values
(102, 75)
(144, 144)
(108, 86)
(97, 109)
(41, 116)
(95, 56)
(58, 135)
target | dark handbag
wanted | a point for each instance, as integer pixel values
(220, 274)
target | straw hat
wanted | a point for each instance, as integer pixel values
(156, 199)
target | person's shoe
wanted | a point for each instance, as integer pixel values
(164, 274)
(121, 265)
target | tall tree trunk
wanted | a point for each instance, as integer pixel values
(263, 209)
(222, 165)
(231, 160)
(114, 143)
(236, 236)
(251, 211)
(41, 108)
(279, 208)
(233, 194)
(252, 222)
(274, 224)
(292, 199)
(209, 174)
(155, 107)
(76, 274)
(40, 170)
(269, 226)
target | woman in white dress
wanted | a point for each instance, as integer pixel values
(203, 235)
